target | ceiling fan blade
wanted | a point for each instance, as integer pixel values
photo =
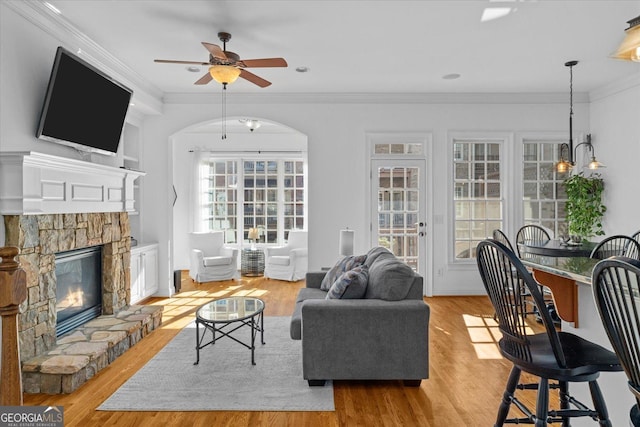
(254, 79)
(204, 79)
(214, 50)
(264, 62)
(171, 61)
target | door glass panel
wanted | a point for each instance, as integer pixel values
(398, 197)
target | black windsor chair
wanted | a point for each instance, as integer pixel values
(536, 233)
(502, 238)
(532, 233)
(618, 245)
(616, 288)
(499, 236)
(551, 355)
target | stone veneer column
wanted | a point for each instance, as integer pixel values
(39, 238)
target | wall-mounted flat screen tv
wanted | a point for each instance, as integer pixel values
(83, 107)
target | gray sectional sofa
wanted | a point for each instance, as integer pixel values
(374, 328)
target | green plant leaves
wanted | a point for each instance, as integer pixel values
(584, 205)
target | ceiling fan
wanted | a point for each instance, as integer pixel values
(225, 66)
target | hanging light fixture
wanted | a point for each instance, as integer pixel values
(629, 49)
(252, 124)
(224, 74)
(566, 164)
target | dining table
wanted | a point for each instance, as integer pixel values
(561, 268)
(557, 248)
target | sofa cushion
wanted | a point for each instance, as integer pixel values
(378, 253)
(351, 284)
(210, 261)
(344, 264)
(310, 293)
(279, 260)
(389, 279)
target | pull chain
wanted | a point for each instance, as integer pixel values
(224, 111)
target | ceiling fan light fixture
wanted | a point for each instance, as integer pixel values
(629, 49)
(224, 74)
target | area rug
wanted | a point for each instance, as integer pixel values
(225, 379)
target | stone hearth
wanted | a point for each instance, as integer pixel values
(80, 354)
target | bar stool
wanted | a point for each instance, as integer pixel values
(618, 245)
(616, 289)
(544, 354)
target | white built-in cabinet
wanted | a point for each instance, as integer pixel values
(131, 153)
(144, 271)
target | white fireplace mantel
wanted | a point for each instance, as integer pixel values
(36, 183)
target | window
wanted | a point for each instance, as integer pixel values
(543, 193)
(477, 193)
(271, 194)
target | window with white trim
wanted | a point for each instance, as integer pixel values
(478, 193)
(237, 194)
(543, 193)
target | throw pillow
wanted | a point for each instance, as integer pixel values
(389, 279)
(343, 264)
(351, 284)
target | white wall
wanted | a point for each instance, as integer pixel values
(615, 126)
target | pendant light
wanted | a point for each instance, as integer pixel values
(565, 165)
(629, 49)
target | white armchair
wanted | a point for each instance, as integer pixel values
(210, 259)
(288, 262)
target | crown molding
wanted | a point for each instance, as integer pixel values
(616, 87)
(147, 97)
(375, 98)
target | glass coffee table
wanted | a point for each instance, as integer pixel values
(223, 316)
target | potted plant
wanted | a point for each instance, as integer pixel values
(584, 208)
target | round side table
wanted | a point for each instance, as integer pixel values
(252, 262)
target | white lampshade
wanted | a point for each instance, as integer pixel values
(253, 233)
(346, 242)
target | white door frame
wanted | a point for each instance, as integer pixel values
(426, 192)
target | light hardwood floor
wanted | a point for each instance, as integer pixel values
(467, 374)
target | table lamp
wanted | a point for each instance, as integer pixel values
(253, 235)
(346, 242)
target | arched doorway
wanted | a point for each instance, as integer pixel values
(252, 178)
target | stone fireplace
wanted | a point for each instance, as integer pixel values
(40, 238)
(52, 205)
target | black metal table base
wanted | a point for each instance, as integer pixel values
(255, 323)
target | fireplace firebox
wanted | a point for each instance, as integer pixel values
(78, 287)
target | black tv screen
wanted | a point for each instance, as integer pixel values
(83, 107)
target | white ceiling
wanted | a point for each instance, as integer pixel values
(368, 46)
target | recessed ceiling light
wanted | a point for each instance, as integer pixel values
(491, 13)
(451, 76)
(193, 68)
(302, 69)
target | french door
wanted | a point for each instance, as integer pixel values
(399, 209)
